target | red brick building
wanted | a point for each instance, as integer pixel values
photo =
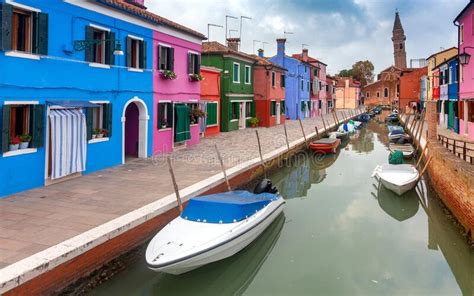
(384, 91)
(410, 88)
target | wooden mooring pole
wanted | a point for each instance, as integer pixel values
(286, 137)
(425, 167)
(317, 132)
(422, 154)
(421, 129)
(302, 130)
(337, 118)
(175, 185)
(324, 124)
(261, 155)
(223, 168)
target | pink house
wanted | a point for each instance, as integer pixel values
(176, 87)
(465, 23)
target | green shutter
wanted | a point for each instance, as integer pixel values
(171, 59)
(107, 118)
(182, 120)
(37, 128)
(5, 128)
(6, 15)
(109, 49)
(88, 50)
(211, 114)
(89, 123)
(128, 50)
(42, 41)
(158, 58)
(252, 108)
(142, 61)
(190, 63)
(169, 110)
(198, 64)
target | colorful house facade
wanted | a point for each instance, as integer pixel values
(465, 23)
(432, 62)
(297, 83)
(347, 93)
(78, 123)
(210, 95)
(449, 87)
(410, 89)
(330, 93)
(237, 105)
(269, 91)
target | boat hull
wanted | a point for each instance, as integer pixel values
(399, 178)
(325, 147)
(399, 190)
(227, 247)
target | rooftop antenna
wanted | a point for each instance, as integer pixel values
(304, 45)
(253, 48)
(263, 45)
(212, 25)
(241, 18)
(230, 32)
(227, 17)
(287, 33)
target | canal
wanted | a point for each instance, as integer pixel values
(340, 234)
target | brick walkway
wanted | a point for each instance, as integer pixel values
(37, 219)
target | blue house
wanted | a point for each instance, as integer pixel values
(453, 94)
(297, 83)
(75, 90)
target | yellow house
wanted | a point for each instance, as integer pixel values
(433, 61)
(347, 93)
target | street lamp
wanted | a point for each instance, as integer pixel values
(464, 57)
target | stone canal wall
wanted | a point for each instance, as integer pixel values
(451, 177)
(62, 265)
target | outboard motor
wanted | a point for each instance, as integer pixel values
(265, 186)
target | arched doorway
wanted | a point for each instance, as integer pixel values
(134, 129)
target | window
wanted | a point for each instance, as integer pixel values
(247, 74)
(136, 53)
(99, 120)
(165, 115)
(367, 94)
(320, 86)
(385, 92)
(378, 95)
(302, 84)
(315, 72)
(166, 58)
(211, 110)
(307, 85)
(401, 45)
(248, 109)
(283, 81)
(235, 110)
(461, 33)
(194, 63)
(20, 120)
(305, 69)
(320, 104)
(329, 103)
(103, 45)
(282, 107)
(273, 110)
(23, 30)
(450, 75)
(236, 73)
(273, 79)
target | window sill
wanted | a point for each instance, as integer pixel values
(164, 129)
(22, 55)
(97, 65)
(135, 70)
(20, 152)
(98, 140)
(233, 120)
(211, 125)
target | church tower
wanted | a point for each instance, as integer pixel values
(398, 40)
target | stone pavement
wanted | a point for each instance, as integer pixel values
(34, 220)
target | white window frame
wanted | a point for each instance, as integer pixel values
(166, 112)
(101, 121)
(137, 49)
(238, 73)
(250, 74)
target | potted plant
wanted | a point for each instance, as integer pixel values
(14, 143)
(254, 121)
(196, 114)
(25, 141)
(105, 132)
(163, 123)
(168, 74)
(97, 133)
(196, 77)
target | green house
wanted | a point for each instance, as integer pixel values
(236, 94)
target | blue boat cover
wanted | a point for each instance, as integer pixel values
(397, 132)
(227, 207)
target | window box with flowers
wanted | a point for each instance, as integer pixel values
(196, 77)
(195, 114)
(25, 141)
(168, 74)
(99, 133)
(14, 143)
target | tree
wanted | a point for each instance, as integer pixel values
(345, 73)
(363, 71)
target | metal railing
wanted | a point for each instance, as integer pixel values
(458, 147)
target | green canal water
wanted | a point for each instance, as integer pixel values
(340, 234)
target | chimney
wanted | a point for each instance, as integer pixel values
(281, 46)
(304, 55)
(260, 53)
(233, 43)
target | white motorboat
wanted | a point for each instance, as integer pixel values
(407, 149)
(213, 227)
(339, 134)
(398, 178)
(397, 135)
(392, 128)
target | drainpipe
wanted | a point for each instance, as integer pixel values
(459, 82)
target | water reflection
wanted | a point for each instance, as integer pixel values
(399, 208)
(365, 140)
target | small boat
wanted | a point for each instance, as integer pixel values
(363, 117)
(346, 127)
(325, 145)
(213, 227)
(339, 134)
(398, 135)
(392, 118)
(398, 178)
(407, 149)
(357, 124)
(392, 128)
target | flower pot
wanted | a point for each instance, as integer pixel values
(14, 147)
(24, 145)
(100, 136)
(94, 136)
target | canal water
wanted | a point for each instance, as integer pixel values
(341, 234)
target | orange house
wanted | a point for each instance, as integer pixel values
(269, 91)
(210, 94)
(410, 88)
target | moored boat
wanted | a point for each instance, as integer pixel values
(392, 128)
(339, 134)
(407, 149)
(213, 227)
(398, 135)
(326, 145)
(398, 178)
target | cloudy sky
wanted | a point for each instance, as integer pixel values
(339, 32)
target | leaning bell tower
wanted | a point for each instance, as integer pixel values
(398, 39)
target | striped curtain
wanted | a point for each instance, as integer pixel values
(68, 142)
